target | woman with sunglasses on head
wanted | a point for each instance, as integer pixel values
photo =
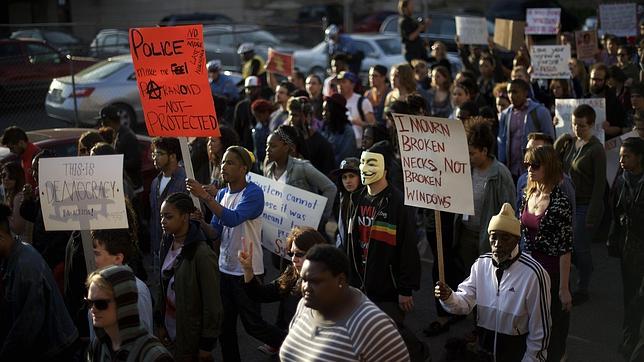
(188, 310)
(626, 237)
(546, 227)
(112, 301)
(286, 288)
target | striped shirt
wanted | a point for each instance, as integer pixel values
(367, 334)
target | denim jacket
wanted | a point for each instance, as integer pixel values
(34, 323)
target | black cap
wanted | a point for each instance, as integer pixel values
(349, 164)
(109, 113)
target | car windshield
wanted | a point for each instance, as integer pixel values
(389, 46)
(101, 70)
(56, 37)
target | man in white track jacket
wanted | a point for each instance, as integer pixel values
(512, 292)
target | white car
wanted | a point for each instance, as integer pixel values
(110, 82)
(383, 49)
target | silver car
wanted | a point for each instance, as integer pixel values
(381, 49)
(110, 82)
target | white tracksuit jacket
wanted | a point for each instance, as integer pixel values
(519, 305)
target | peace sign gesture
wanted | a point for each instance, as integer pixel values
(245, 256)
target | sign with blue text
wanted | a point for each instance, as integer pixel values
(82, 193)
(286, 206)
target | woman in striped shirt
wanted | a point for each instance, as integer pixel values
(334, 321)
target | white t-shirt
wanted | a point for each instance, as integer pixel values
(353, 114)
(165, 180)
(231, 243)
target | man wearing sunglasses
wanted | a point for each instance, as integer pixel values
(34, 323)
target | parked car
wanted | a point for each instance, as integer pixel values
(65, 42)
(109, 43)
(28, 66)
(195, 18)
(221, 42)
(372, 23)
(110, 82)
(442, 27)
(384, 49)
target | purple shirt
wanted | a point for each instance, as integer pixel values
(517, 122)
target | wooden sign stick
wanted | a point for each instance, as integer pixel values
(187, 163)
(439, 246)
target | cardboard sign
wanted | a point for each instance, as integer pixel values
(612, 147)
(619, 19)
(286, 206)
(436, 163)
(279, 63)
(586, 44)
(550, 61)
(471, 29)
(170, 65)
(565, 107)
(82, 193)
(542, 21)
(509, 34)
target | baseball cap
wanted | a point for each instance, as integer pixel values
(251, 81)
(349, 164)
(348, 75)
(109, 112)
(213, 65)
(245, 48)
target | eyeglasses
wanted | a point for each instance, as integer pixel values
(534, 165)
(298, 254)
(100, 304)
(598, 79)
(158, 154)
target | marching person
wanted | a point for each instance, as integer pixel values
(507, 283)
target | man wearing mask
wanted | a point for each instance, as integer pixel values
(381, 245)
(615, 116)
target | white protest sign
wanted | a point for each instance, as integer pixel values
(82, 193)
(612, 147)
(436, 163)
(565, 107)
(471, 29)
(286, 206)
(542, 21)
(618, 19)
(550, 61)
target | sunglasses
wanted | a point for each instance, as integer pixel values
(100, 304)
(298, 254)
(535, 165)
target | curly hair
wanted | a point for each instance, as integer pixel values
(304, 238)
(479, 134)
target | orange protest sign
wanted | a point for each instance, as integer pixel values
(279, 63)
(173, 82)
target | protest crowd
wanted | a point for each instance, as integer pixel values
(555, 162)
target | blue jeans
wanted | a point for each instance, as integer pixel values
(582, 258)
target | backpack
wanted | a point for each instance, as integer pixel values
(360, 111)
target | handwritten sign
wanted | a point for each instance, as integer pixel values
(612, 147)
(586, 44)
(471, 29)
(279, 63)
(509, 34)
(618, 19)
(436, 163)
(550, 61)
(286, 206)
(542, 21)
(82, 193)
(565, 107)
(173, 81)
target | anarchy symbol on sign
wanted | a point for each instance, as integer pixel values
(153, 90)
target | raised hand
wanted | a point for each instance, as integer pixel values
(195, 188)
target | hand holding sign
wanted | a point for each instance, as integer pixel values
(194, 187)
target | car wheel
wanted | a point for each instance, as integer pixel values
(128, 118)
(319, 71)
